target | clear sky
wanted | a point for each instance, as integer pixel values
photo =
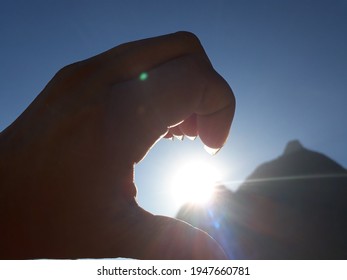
(285, 60)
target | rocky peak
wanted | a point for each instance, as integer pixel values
(293, 147)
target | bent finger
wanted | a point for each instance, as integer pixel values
(193, 87)
(128, 61)
(182, 87)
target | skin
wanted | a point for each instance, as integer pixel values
(67, 162)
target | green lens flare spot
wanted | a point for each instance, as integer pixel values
(143, 76)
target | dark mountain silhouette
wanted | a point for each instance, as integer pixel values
(290, 208)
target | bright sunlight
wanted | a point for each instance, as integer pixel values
(194, 182)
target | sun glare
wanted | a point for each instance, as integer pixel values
(194, 182)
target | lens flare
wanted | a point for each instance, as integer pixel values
(143, 76)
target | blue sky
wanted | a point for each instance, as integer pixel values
(285, 60)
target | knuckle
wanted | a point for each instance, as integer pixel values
(188, 37)
(192, 44)
(190, 40)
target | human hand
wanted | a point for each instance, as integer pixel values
(67, 163)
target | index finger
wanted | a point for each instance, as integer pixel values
(128, 60)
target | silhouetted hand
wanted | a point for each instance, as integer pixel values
(67, 162)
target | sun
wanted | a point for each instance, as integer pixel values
(194, 182)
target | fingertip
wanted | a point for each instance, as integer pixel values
(214, 128)
(169, 136)
(176, 131)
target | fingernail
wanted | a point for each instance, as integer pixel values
(192, 138)
(211, 151)
(179, 137)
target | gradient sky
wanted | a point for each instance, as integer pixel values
(285, 60)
